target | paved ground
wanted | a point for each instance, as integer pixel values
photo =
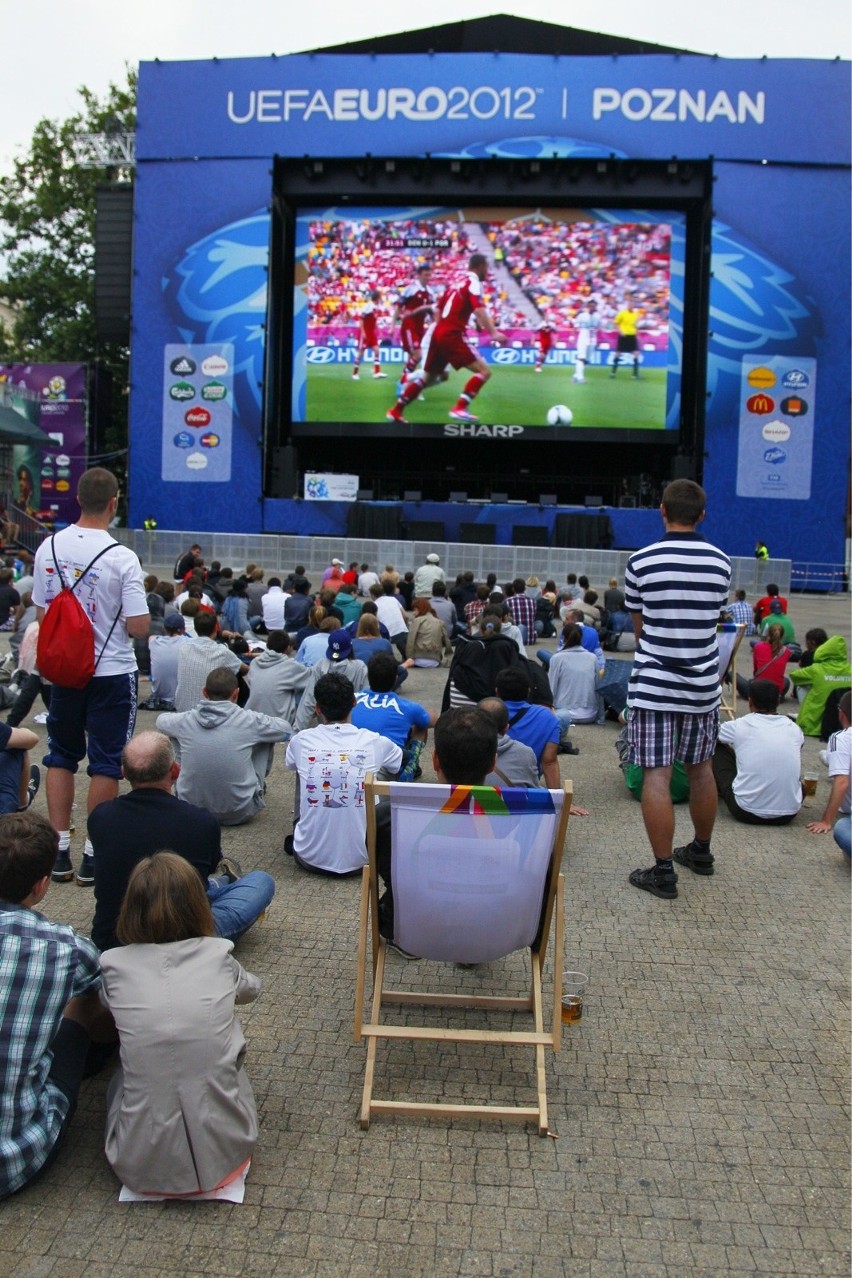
(700, 1105)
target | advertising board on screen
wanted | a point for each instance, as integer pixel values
(587, 304)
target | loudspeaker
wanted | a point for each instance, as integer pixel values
(113, 261)
(284, 472)
(412, 495)
(683, 466)
(499, 499)
(364, 494)
(547, 499)
(593, 501)
(478, 534)
(458, 496)
(424, 530)
(530, 535)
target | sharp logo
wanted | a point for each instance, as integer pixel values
(676, 106)
(472, 430)
(320, 355)
(775, 456)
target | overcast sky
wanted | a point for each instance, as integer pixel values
(60, 44)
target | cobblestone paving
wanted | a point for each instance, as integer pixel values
(700, 1108)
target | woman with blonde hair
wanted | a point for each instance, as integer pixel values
(427, 637)
(181, 1116)
(368, 639)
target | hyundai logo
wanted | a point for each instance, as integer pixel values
(505, 355)
(320, 355)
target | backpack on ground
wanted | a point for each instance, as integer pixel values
(65, 654)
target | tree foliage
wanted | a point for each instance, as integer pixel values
(47, 237)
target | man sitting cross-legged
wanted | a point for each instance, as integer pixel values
(51, 1011)
(152, 819)
(382, 710)
(332, 761)
(222, 750)
(758, 759)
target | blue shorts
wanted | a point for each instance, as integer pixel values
(657, 737)
(97, 720)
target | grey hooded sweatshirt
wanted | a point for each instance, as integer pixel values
(222, 750)
(274, 680)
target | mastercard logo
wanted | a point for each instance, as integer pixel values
(761, 405)
(761, 378)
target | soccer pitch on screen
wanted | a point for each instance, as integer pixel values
(512, 396)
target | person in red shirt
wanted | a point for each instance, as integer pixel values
(764, 606)
(446, 344)
(368, 336)
(413, 309)
(544, 341)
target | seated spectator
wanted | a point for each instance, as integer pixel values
(516, 764)
(589, 637)
(19, 778)
(613, 600)
(311, 628)
(427, 640)
(181, 1116)
(534, 725)
(381, 710)
(368, 641)
(338, 659)
(522, 610)
(829, 670)
(347, 602)
(235, 609)
(292, 577)
(29, 681)
(51, 1009)
(498, 607)
(9, 599)
(406, 590)
(366, 579)
(769, 659)
(742, 612)
(165, 659)
(390, 610)
(573, 676)
(761, 608)
(255, 590)
(476, 663)
(442, 607)
(25, 615)
(813, 639)
(272, 606)
(276, 682)
(776, 617)
(474, 610)
(591, 611)
(315, 646)
(544, 614)
(297, 607)
(464, 592)
(757, 762)
(160, 820)
(328, 600)
(332, 761)
(219, 744)
(198, 657)
(838, 759)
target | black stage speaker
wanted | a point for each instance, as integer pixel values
(284, 472)
(364, 494)
(499, 499)
(530, 535)
(547, 499)
(113, 261)
(594, 500)
(458, 496)
(478, 534)
(412, 494)
(424, 530)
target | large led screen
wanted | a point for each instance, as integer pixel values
(587, 305)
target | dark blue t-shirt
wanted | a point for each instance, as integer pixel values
(537, 726)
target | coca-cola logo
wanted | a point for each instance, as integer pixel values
(197, 417)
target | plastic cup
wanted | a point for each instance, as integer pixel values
(809, 784)
(573, 994)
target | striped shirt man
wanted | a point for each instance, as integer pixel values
(43, 965)
(679, 585)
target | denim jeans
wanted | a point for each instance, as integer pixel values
(843, 834)
(237, 905)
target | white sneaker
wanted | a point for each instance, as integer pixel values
(379, 376)
(823, 756)
(41, 718)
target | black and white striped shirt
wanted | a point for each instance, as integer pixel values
(679, 585)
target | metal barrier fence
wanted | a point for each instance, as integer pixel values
(280, 554)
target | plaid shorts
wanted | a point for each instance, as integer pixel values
(658, 737)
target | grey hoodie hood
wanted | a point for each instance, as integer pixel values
(265, 659)
(212, 714)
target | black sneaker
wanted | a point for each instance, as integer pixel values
(694, 859)
(229, 868)
(657, 880)
(288, 844)
(86, 872)
(566, 747)
(33, 784)
(392, 945)
(63, 870)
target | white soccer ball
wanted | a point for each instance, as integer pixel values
(559, 415)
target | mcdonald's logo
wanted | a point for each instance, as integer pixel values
(761, 404)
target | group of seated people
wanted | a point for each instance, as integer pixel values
(169, 907)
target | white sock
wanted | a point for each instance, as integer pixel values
(64, 840)
(88, 850)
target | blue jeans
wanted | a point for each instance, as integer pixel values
(843, 835)
(236, 906)
(564, 717)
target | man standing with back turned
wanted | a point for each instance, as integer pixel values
(674, 591)
(98, 719)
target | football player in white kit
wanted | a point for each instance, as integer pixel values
(587, 323)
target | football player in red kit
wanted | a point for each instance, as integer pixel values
(367, 336)
(446, 344)
(413, 309)
(544, 341)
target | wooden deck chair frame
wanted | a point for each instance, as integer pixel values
(728, 704)
(538, 1037)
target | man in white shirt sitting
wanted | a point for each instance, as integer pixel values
(758, 760)
(272, 604)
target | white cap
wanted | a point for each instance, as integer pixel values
(337, 563)
(433, 558)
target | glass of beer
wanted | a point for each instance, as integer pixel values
(809, 784)
(573, 993)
